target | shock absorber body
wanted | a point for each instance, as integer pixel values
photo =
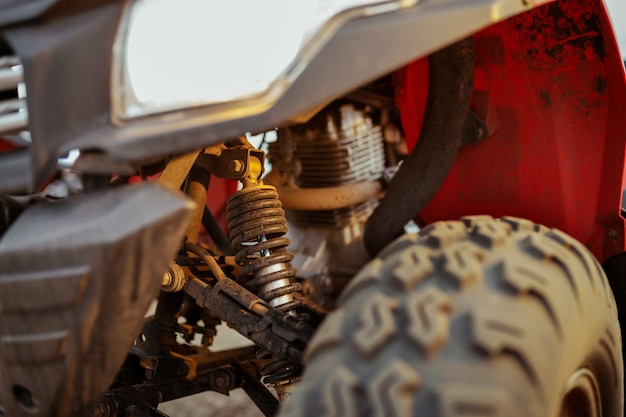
(257, 228)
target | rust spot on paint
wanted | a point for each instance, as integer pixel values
(599, 84)
(545, 97)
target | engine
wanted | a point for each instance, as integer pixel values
(328, 173)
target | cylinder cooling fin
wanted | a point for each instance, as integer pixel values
(340, 146)
(349, 150)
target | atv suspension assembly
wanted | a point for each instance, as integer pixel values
(257, 226)
(154, 374)
(204, 288)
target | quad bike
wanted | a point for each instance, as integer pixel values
(494, 126)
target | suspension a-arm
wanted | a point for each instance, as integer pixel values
(281, 334)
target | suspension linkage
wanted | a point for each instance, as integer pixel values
(226, 285)
(281, 334)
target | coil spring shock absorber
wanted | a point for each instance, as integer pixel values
(257, 228)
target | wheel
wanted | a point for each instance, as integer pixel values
(478, 317)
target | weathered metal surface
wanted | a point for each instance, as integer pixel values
(174, 174)
(214, 371)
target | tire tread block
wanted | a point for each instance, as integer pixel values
(412, 267)
(338, 398)
(376, 324)
(442, 234)
(393, 390)
(428, 313)
(527, 281)
(505, 332)
(544, 248)
(463, 265)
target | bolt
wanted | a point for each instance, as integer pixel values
(613, 234)
(150, 374)
(174, 279)
(236, 165)
(222, 380)
(167, 279)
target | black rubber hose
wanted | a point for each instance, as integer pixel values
(451, 76)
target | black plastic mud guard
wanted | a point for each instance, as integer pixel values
(76, 278)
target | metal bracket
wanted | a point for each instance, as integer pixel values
(280, 334)
(221, 372)
(177, 170)
(230, 163)
(475, 129)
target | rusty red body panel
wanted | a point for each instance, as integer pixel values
(550, 84)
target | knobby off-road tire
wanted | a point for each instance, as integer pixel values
(479, 317)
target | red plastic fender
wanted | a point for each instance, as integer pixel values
(550, 84)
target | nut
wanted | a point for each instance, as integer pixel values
(236, 165)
